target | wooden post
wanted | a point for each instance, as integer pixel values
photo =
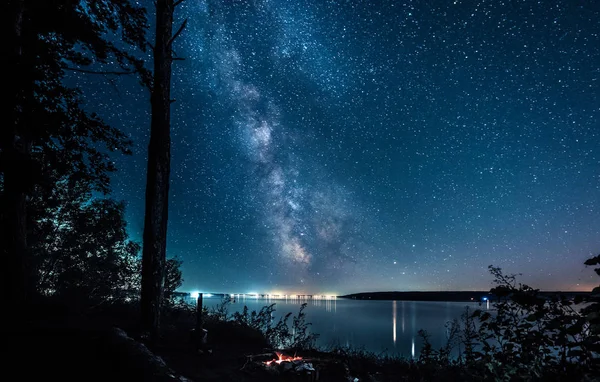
(199, 318)
(200, 334)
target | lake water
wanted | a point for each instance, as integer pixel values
(378, 326)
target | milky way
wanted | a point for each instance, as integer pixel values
(305, 223)
(344, 146)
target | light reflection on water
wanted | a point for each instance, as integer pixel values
(368, 324)
(394, 309)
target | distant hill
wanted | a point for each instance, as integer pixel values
(460, 296)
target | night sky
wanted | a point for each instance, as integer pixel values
(346, 146)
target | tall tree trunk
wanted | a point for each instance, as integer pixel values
(157, 182)
(16, 155)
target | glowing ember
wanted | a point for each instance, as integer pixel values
(282, 358)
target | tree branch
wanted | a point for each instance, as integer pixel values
(181, 28)
(111, 81)
(113, 73)
(175, 57)
(177, 3)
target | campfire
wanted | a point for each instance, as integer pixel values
(291, 368)
(282, 358)
(312, 367)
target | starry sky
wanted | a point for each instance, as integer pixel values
(345, 146)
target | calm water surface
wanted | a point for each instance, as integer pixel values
(379, 326)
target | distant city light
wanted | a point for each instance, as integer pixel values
(485, 299)
(273, 295)
(196, 294)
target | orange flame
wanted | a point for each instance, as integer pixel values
(282, 358)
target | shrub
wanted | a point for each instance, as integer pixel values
(528, 336)
(302, 337)
(220, 311)
(279, 335)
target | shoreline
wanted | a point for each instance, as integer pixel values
(455, 296)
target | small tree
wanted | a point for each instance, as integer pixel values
(84, 255)
(527, 335)
(173, 278)
(592, 311)
(531, 335)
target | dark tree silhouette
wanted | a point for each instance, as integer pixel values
(45, 133)
(159, 167)
(15, 148)
(82, 251)
(592, 310)
(173, 277)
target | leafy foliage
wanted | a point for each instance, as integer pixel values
(173, 278)
(443, 355)
(526, 337)
(82, 250)
(592, 311)
(54, 36)
(220, 311)
(302, 338)
(51, 149)
(279, 334)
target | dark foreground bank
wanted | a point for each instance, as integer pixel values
(103, 345)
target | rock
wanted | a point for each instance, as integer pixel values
(286, 367)
(305, 367)
(138, 358)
